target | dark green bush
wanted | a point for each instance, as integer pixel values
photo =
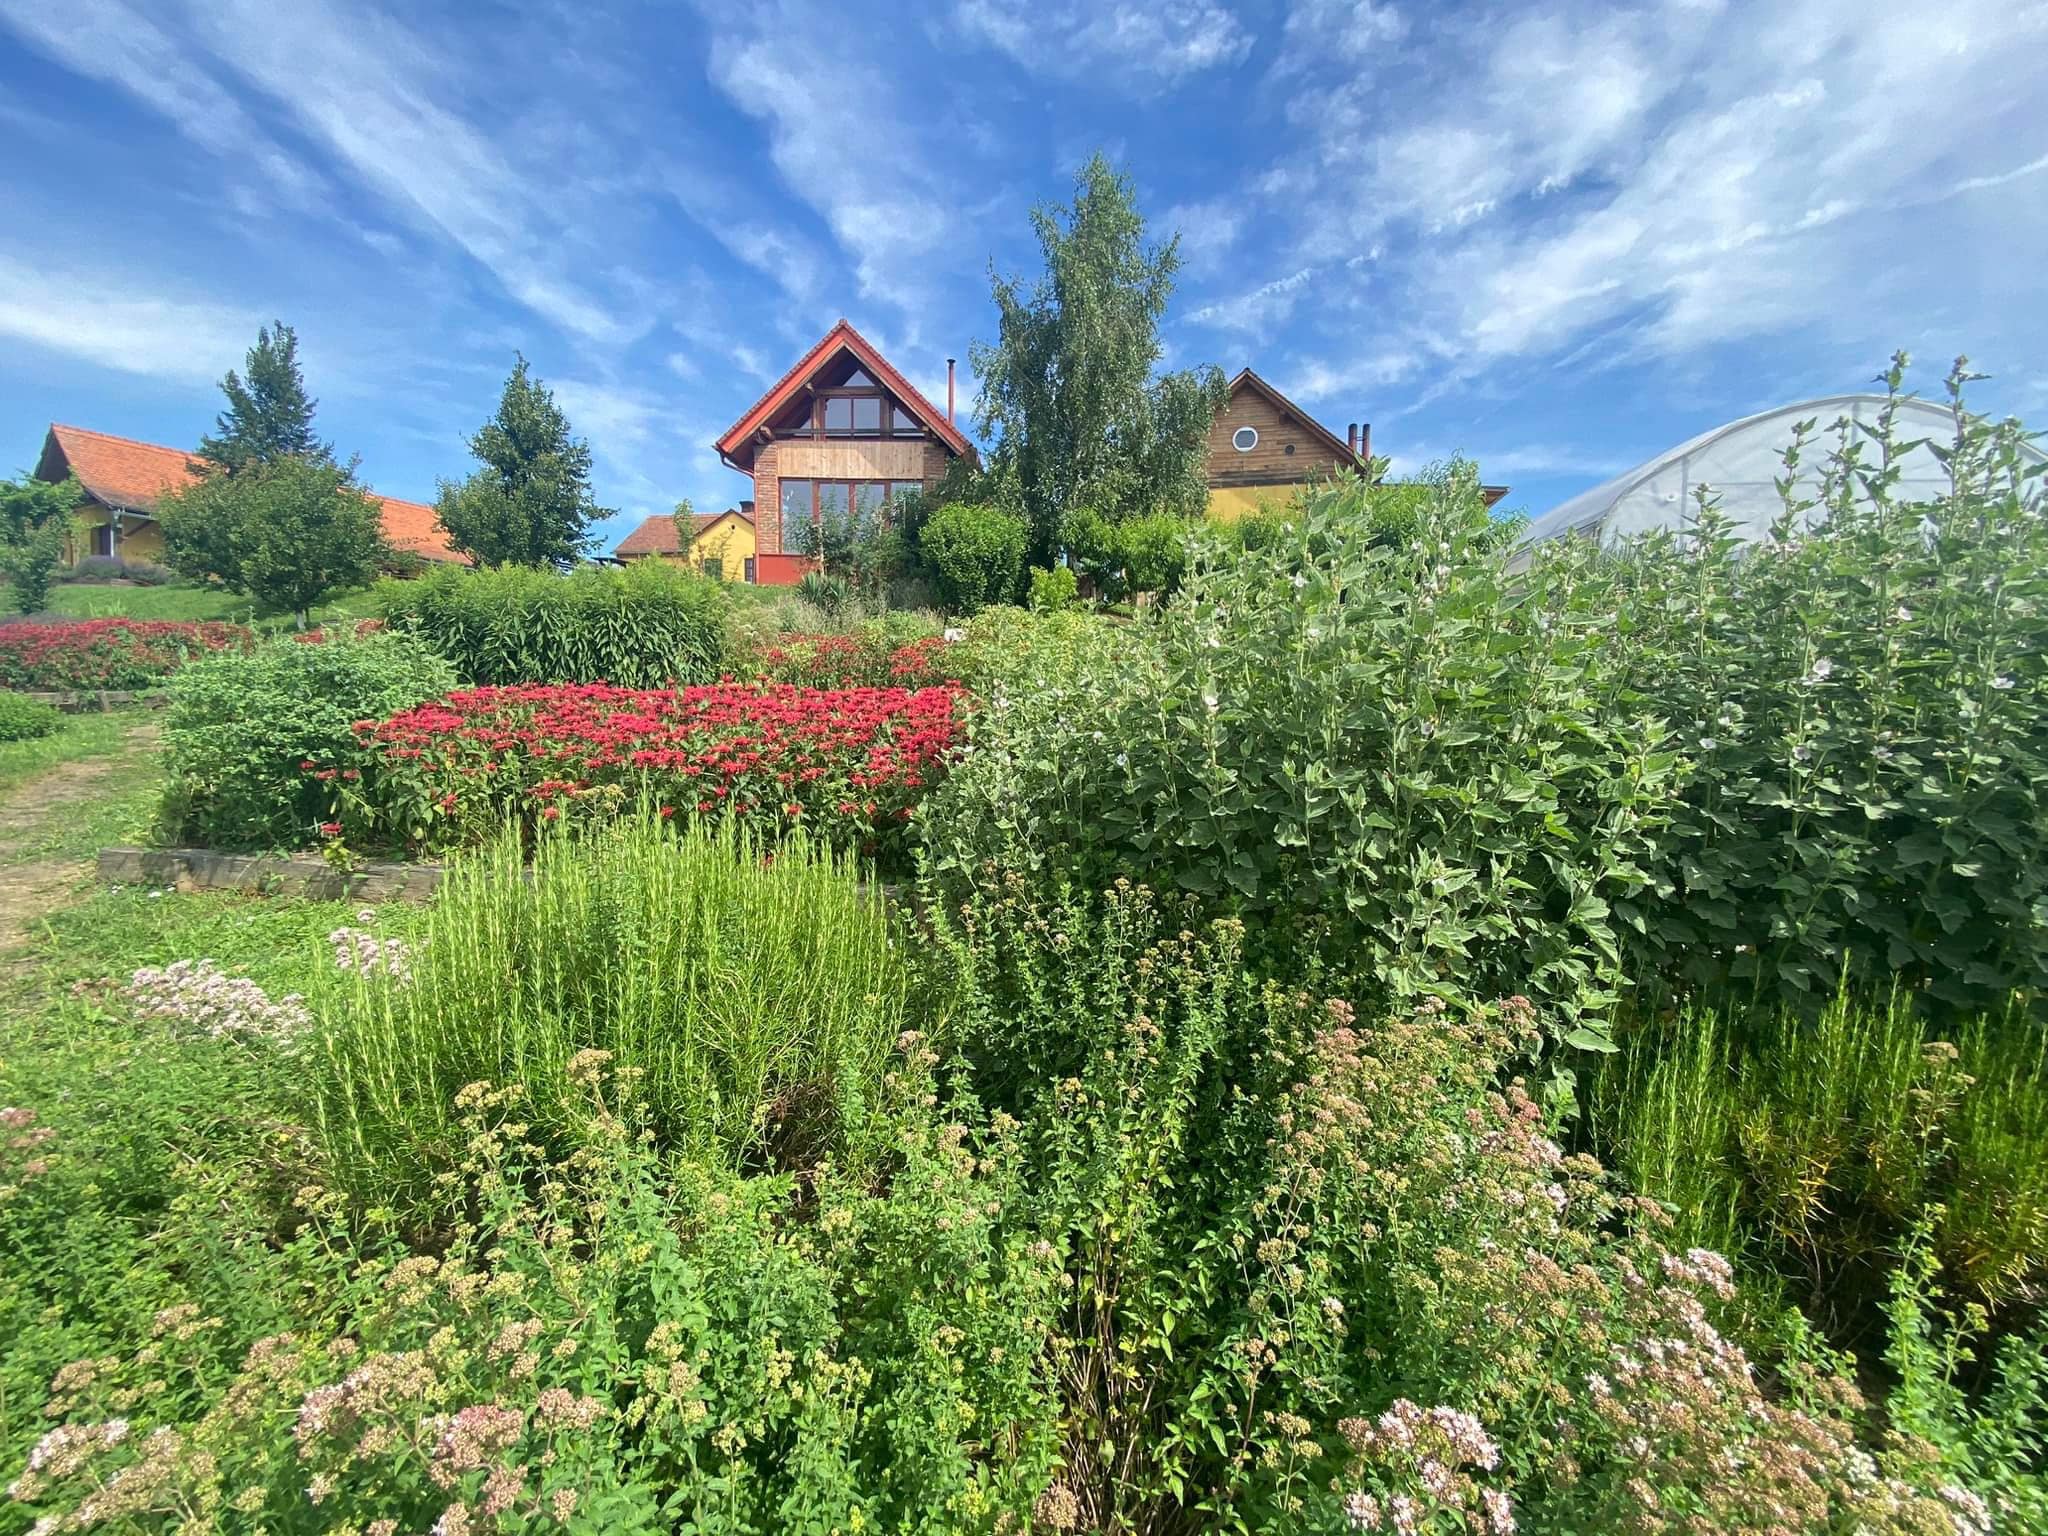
(648, 625)
(976, 552)
(240, 728)
(23, 718)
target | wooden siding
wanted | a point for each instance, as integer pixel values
(792, 458)
(1288, 453)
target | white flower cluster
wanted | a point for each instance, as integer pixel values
(357, 949)
(199, 996)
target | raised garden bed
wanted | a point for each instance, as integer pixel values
(198, 869)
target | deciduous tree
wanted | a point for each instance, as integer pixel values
(1068, 390)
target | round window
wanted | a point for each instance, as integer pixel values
(1245, 439)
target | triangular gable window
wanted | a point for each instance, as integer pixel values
(858, 380)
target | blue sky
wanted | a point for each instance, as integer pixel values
(1558, 237)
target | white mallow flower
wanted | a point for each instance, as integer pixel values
(2001, 682)
(1823, 669)
(1209, 700)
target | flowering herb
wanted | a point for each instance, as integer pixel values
(107, 653)
(849, 764)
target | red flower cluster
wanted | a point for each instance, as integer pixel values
(850, 763)
(855, 661)
(106, 653)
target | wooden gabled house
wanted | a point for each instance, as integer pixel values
(831, 445)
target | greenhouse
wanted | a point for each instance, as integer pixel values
(1742, 461)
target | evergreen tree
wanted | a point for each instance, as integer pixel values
(530, 503)
(1068, 391)
(269, 415)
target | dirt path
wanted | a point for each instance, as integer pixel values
(30, 891)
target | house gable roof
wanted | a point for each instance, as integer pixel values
(842, 337)
(1246, 379)
(657, 535)
(131, 476)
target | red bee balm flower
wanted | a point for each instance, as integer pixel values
(848, 763)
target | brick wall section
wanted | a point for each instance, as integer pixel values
(935, 461)
(767, 500)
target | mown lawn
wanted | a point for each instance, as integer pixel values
(179, 602)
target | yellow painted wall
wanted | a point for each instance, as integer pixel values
(730, 539)
(1230, 502)
(139, 540)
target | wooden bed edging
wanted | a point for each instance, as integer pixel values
(266, 874)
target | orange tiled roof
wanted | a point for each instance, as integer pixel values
(121, 472)
(656, 535)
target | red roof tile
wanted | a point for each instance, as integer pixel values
(121, 472)
(844, 335)
(657, 535)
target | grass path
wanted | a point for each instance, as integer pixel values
(94, 779)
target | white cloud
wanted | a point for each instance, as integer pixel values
(373, 94)
(1259, 312)
(111, 41)
(1142, 47)
(111, 320)
(1662, 178)
(840, 143)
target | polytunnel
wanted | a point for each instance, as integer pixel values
(1742, 461)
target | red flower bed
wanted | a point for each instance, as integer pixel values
(855, 661)
(850, 764)
(107, 653)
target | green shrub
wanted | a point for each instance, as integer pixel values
(976, 552)
(1862, 707)
(1052, 590)
(240, 727)
(24, 719)
(757, 996)
(1139, 554)
(645, 626)
(828, 593)
(597, 1341)
(1352, 745)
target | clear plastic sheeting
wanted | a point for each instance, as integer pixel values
(1741, 462)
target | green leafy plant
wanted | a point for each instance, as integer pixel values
(240, 730)
(1348, 743)
(976, 552)
(25, 719)
(37, 528)
(1052, 590)
(648, 625)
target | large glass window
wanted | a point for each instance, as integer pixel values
(868, 496)
(898, 488)
(796, 514)
(867, 415)
(835, 510)
(838, 415)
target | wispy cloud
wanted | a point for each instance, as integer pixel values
(117, 322)
(1143, 48)
(1257, 313)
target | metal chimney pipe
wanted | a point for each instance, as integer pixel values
(1365, 440)
(1351, 438)
(949, 391)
